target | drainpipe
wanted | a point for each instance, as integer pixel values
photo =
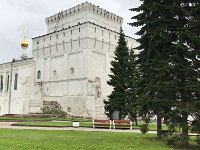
(10, 88)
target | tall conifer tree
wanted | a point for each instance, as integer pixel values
(118, 79)
(155, 46)
(186, 64)
(169, 58)
(132, 82)
(195, 57)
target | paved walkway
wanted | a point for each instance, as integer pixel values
(7, 125)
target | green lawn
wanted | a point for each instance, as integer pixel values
(152, 126)
(53, 124)
(47, 119)
(21, 119)
(11, 139)
(83, 122)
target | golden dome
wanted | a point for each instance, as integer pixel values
(24, 43)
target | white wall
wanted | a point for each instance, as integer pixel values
(83, 13)
(17, 101)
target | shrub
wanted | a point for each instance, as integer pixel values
(172, 139)
(144, 128)
(52, 107)
(197, 140)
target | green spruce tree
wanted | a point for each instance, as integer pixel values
(186, 63)
(118, 79)
(195, 57)
(169, 59)
(153, 60)
(132, 83)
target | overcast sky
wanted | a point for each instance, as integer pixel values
(17, 15)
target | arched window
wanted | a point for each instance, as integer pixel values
(39, 74)
(1, 84)
(15, 82)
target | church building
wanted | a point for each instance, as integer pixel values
(70, 64)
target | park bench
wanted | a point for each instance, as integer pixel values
(102, 123)
(122, 123)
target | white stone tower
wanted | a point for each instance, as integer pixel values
(72, 61)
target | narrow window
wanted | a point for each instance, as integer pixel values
(56, 36)
(1, 88)
(95, 30)
(71, 31)
(71, 70)
(39, 74)
(55, 74)
(79, 29)
(15, 82)
(8, 82)
(69, 109)
(63, 33)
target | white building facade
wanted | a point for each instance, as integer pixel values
(70, 65)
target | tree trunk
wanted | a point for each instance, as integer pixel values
(185, 136)
(159, 126)
(136, 123)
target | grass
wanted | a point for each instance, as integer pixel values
(53, 124)
(152, 126)
(83, 122)
(21, 119)
(11, 139)
(46, 119)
